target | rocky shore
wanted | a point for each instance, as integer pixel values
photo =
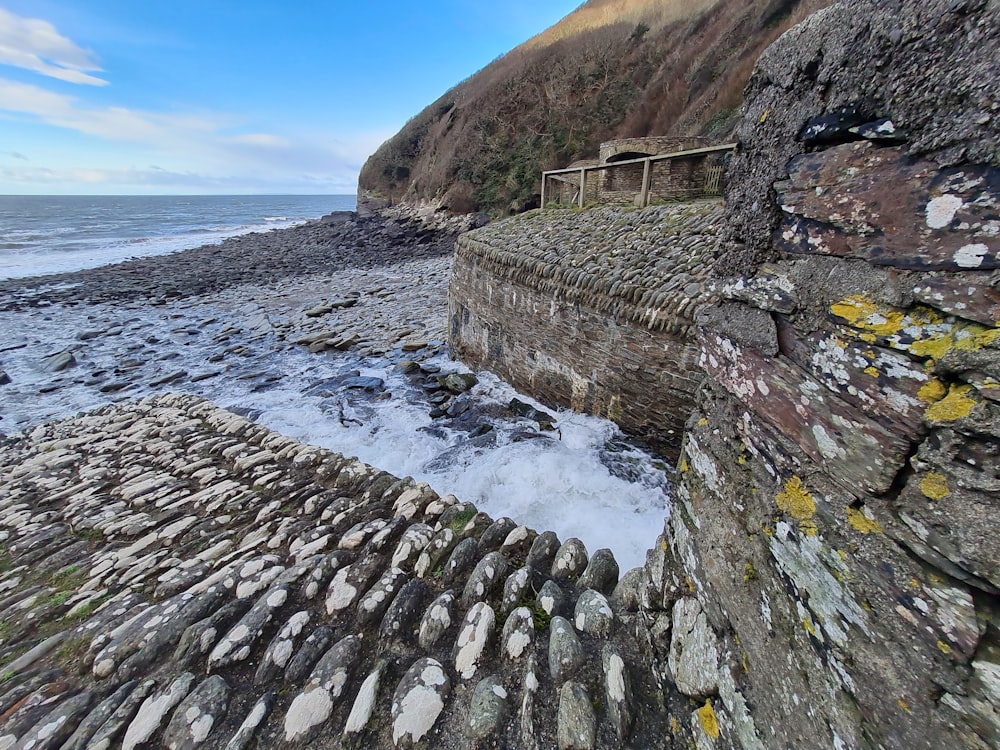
(174, 574)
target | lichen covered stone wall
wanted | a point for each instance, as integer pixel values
(836, 522)
(590, 309)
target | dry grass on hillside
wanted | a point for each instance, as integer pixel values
(611, 69)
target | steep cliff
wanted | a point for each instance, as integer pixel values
(611, 69)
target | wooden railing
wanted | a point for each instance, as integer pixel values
(711, 184)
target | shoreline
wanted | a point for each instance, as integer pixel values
(338, 241)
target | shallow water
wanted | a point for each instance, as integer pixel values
(581, 480)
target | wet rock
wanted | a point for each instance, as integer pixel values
(834, 126)
(565, 650)
(458, 382)
(488, 708)
(313, 706)
(577, 724)
(58, 362)
(601, 573)
(593, 614)
(694, 650)
(4, 378)
(197, 714)
(418, 701)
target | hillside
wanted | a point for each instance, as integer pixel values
(611, 69)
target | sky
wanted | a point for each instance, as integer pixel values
(187, 97)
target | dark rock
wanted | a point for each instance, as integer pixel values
(196, 716)
(487, 709)
(566, 655)
(601, 573)
(834, 127)
(312, 648)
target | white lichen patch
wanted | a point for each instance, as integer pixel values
(971, 256)
(310, 707)
(941, 210)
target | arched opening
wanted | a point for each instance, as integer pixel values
(626, 180)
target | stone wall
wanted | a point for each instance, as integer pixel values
(836, 523)
(590, 309)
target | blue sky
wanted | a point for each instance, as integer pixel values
(219, 96)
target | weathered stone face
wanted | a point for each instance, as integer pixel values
(836, 519)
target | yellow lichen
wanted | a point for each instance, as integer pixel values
(690, 584)
(864, 314)
(796, 500)
(914, 583)
(709, 721)
(943, 647)
(956, 405)
(809, 528)
(703, 422)
(871, 370)
(684, 466)
(973, 337)
(935, 486)
(868, 338)
(903, 705)
(931, 391)
(934, 347)
(861, 522)
(675, 726)
(808, 626)
(866, 605)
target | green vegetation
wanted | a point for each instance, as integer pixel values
(459, 521)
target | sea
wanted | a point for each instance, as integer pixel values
(45, 234)
(586, 480)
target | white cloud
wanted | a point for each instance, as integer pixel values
(35, 44)
(267, 140)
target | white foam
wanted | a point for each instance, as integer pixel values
(558, 482)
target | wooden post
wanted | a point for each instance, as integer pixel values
(583, 185)
(644, 194)
(543, 190)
